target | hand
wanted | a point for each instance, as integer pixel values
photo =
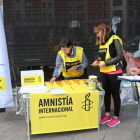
(102, 64)
(52, 79)
(72, 70)
(95, 63)
(134, 71)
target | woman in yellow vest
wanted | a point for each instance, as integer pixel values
(110, 64)
(71, 61)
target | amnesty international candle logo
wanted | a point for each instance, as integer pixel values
(2, 84)
(87, 103)
(32, 80)
(39, 79)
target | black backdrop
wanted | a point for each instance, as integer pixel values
(34, 28)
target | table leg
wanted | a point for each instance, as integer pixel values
(99, 112)
(28, 119)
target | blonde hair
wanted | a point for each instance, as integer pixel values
(105, 30)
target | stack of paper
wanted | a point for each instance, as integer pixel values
(57, 91)
(35, 89)
(51, 85)
(130, 78)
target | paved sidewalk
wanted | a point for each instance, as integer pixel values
(16, 129)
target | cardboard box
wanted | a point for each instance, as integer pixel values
(32, 78)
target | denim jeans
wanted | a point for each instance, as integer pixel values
(68, 78)
(139, 111)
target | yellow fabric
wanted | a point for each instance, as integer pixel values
(32, 80)
(78, 57)
(2, 84)
(105, 48)
(138, 87)
(78, 109)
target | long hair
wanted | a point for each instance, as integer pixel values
(105, 30)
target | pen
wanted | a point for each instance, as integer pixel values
(134, 66)
(71, 88)
(95, 65)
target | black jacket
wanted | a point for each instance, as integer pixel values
(115, 50)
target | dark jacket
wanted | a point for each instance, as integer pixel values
(115, 50)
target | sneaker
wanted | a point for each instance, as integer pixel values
(113, 122)
(105, 119)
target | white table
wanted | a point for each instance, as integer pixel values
(26, 96)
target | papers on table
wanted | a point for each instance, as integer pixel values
(35, 89)
(57, 91)
(130, 78)
(40, 89)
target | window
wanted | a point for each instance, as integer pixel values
(117, 2)
(70, 8)
(98, 15)
(80, 17)
(131, 2)
(70, 17)
(92, 6)
(50, 16)
(37, 15)
(17, 2)
(92, 17)
(29, 3)
(36, 3)
(64, 6)
(18, 15)
(80, 7)
(138, 4)
(80, 0)
(50, 5)
(44, 16)
(57, 17)
(28, 15)
(105, 4)
(117, 13)
(8, 21)
(65, 17)
(98, 5)
(44, 5)
(104, 14)
(10, 9)
(130, 13)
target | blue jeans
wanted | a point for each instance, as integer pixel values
(139, 111)
(69, 78)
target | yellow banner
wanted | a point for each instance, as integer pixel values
(2, 84)
(65, 112)
(32, 80)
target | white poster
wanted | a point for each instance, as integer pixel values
(6, 96)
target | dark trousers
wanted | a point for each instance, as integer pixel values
(111, 86)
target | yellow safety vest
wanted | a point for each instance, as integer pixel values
(104, 50)
(69, 62)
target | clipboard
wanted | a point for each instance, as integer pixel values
(94, 65)
(74, 67)
(129, 78)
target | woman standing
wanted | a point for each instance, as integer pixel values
(109, 61)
